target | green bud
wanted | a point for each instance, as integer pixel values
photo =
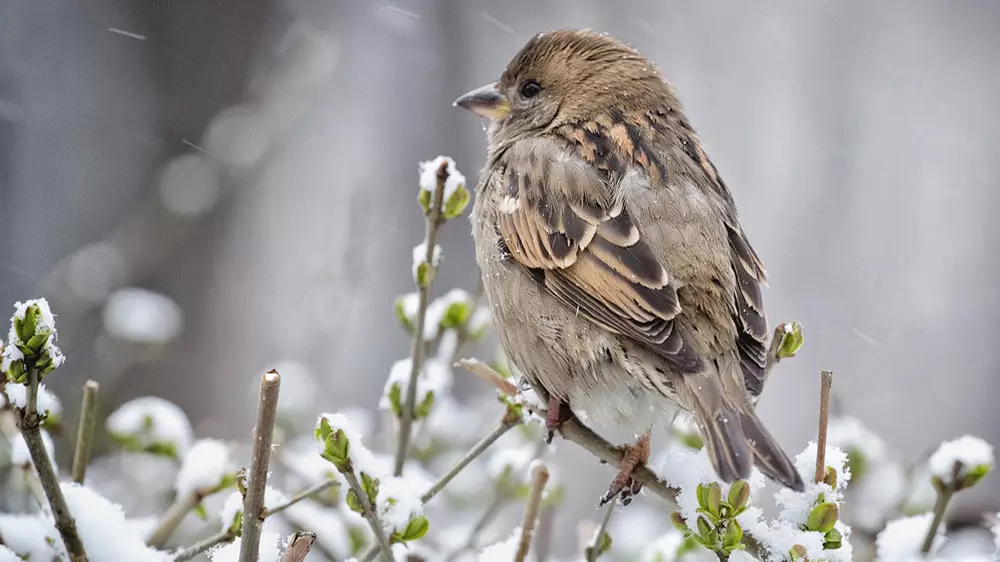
(424, 275)
(704, 527)
(416, 528)
(701, 492)
(791, 340)
(424, 408)
(456, 203)
(604, 543)
(336, 446)
(798, 552)
(973, 475)
(679, 523)
(353, 503)
(237, 527)
(456, 315)
(830, 478)
(732, 535)
(823, 517)
(396, 399)
(400, 311)
(16, 372)
(692, 439)
(37, 342)
(201, 512)
(424, 198)
(713, 500)
(832, 540)
(370, 486)
(29, 324)
(739, 495)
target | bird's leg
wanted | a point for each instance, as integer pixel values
(558, 413)
(633, 457)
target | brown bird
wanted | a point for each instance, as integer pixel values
(618, 274)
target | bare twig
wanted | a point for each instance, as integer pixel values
(304, 494)
(593, 550)
(202, 546)
(540, 477)
(369, 514)
(418, 348)
(474, 452)
(488, 375)
(85, 430)
(826, 381)
(944, 495)
(172, 518)
(30, 424)
(263, 433)
(299, 546)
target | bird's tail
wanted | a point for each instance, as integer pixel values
(735, 438)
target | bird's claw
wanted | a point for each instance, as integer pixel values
(625, 484)
(558, 413)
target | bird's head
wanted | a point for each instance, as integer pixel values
(563, 77)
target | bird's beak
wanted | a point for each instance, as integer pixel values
(486, 102)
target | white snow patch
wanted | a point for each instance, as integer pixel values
(968, 451)
(142, 316)
(204, 467)
(152, 420)
(901, 539)
(428, 177)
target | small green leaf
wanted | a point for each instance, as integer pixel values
(38, 341)
(456, 315)
(396, 399)
(424, 408)
(973, 475)
(370, 485)
(16, 372)
(28, 325)
(336, 446)
(201, 512)
(237, 527)
(456, 203)
(604, 543)
(424, 275)
(424, 198)
(416, 528)
(701, 492)
(739, 494)
(679, 523)
(353, 503)
(798, 552)
(832, 540)
(400, 311)
(704, 527)
(830, 478)
(713, 500)
(823, 517)
(732, 536)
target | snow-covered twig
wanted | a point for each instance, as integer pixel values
(593, 550)
(826, 381)
(85, 431)
(539, 478)
(30, 424)
(221, 537)
(368, 511)
(263, 434)
(434, 220)
(304, 494)
(944, 496)
(299, 546)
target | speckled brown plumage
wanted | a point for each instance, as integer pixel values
(619, 276)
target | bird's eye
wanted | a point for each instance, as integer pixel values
(530, 89)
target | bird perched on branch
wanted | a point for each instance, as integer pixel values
(618, 274)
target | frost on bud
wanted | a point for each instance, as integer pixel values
(823, 517)
(791, 340)
(31, 342)
(961, 463)
(336, 446)
(454, 196)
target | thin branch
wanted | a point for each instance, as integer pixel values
(85, 430)
(944, 496)
(30, 424)
(418, 348)
(201, 546)
(304, 494)
(368, 511)
(478, 449)
(474, 452)
(263, 434)
(540, 477)
(299, 546)
(593, 550)
(172, 518)
(489, 375)
(826, 381)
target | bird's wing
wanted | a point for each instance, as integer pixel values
(558, 219)
(751, 339)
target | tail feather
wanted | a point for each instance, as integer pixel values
(735, 438)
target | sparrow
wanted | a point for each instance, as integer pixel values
(620, 280)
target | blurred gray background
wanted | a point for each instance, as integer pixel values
(255, 162)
